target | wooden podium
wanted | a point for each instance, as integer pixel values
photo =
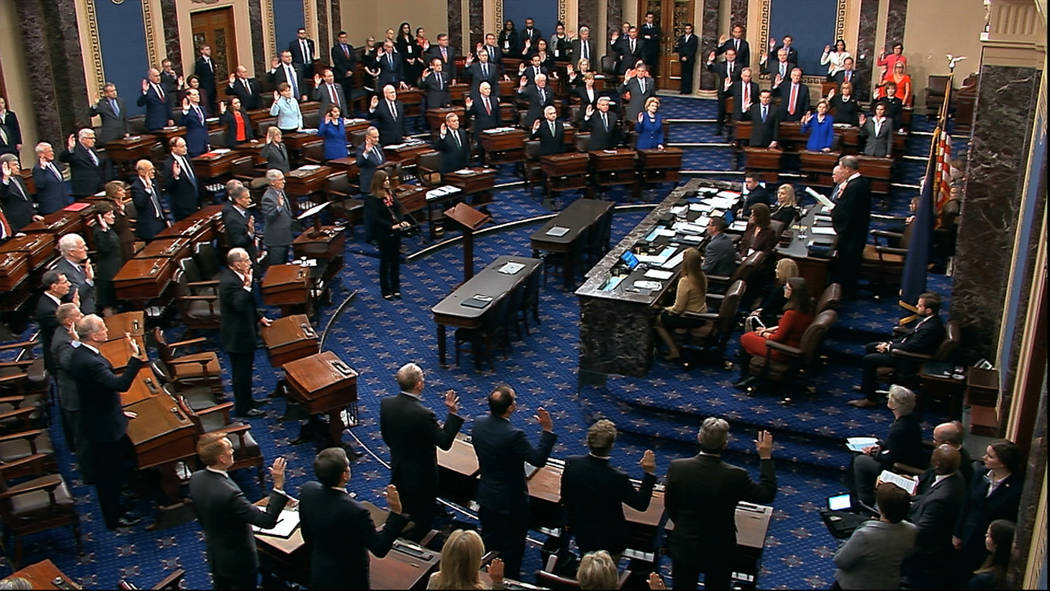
(817, 167)
(324, 385)
(471, 220)
(564, 172)
(766, 161)
(615, 167)
(289, 338)
(660, 166)
(141, 280)
(286, 286)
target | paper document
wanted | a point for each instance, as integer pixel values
(612, 283)
(286, 524)
(510, 268)
(672, 263)
(558, 231)
(658, 274)
(699, 207)
(220, 151)
(310, 167)
(820, 198)
(859, 443)
(738, 226)
(823, 231)
(650, 285)
(907, 483)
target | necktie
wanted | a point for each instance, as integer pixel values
(632, 45)
(736, 44)
(3, 133)
(729, 69)
(543, 97)
(247, 87)
(441, 81)
(455, 136)
(94, 158)
(208, 63)
(116, 109)
(444, 54)
(379, 155)
(551, 124)
(186, 167)
(157, 89)
(794, 94)
(393, 110)
(306, 52)
(536, 72)
(764, 113)
(488, 108)
(783, 68)
(849, 75)
(21, 190)
(484, 70)
(641, 83)
(346, 51)
(390, 60)
(289, 74)
(747, 93)
(335, 97)
(153, 199)
(492, 54)
(605, 121)
(200, 114)
(586, 55)
(54, 170)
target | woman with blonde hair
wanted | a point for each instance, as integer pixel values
(461, 564)
(690, 296)
(650, 127)
(597, 571)
(786, 208)
(773, 304)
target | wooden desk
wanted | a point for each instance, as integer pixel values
(118, 352)
(165, 134)
(298, 140)
(213, 165)
(159, 431)
(581, 216)
(412, 99)
(503, 147)
(14, 268)
(477, 183)
(615, 167)
(289, 338)
(39, 249)
(144, 386)
(436, 116)
(813, 269)
(489, 282)
(347, 165)
(817, 167)
(765, 161)
(141, 280)
(323, 383)
(565, 172)
(133, 322)
(166, 248)
(253, 149)
(60, 222)
(128, 150)
(200, 226)
(405, 154)
(286, 286)
(306, 181)
(879, 171)
(660, 166)
(327, 244)
(45, 575)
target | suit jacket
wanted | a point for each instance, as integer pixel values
(196, 130)
(367, 164)
(18, 205)
(893, 108)
(227, 518)
(925, 338)
(276, 156)
(851, 218)
(170, 84)
(537, 102)
(792, 57)
(454, 156)
(603, 136)
(903, 443)
(158, 112)
(297, 53)
(772, 67)
(77, 283)
(249, 96)
(495, 54)
(720, 256)
(721, 69)
(502, 449)
(237, 234)
(801, 101)
(148, 223)
(44, 315)
(339, 534)
(688, 49)
(278, 230)
(550, 144)
(877, 144)
(627, 57)
(593, 492)
(530, 73)
(560, 48)
(435, 86)
(51, 192)
(280, 75)
(980, 509)
(206, 74)
(62, 352)
(484, 119)
(9, 122)
(701, 497)
(533, 35)
(343, 62)
(587, 99)
(637, 103)
(845, 111)
(85, 176)
(855, 78)
(102, 416)
(239, 330)
(449, 63)
(323, 94)
(391, 128)
(576, 47)
(743, 50)
(231, 127)
(763, 133)
(477, 76)
(411, 431)
(391, 71)
(650, 36)
(183, 191)
(935, 511)
(114, 125)
(757, 195)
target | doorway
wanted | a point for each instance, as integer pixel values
(215, 28)
(672, 16)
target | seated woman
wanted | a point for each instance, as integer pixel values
(786, 210)
(650, 126)
(759, 234)
(690, 296)
(461, 564)
(583, 67)
(798, 315)
(819, 128)
(333, 130)
(903, 444)
(768, 313)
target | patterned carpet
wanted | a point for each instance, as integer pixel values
(660, 412)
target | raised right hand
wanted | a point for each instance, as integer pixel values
(145, 85)
(648, 462)
(276, 95)
(772, 43)
(277, 471)
(521, 68)
(71, 142)
(711, 57)
(523, 81)
(764, 445)
(185, 103)
(222, 107)
(444, 129)
(452, 401)
(535, 125)
(640, 117)
(831, 93)
(544, 419)
(655, 582)
(827, 49)
(468, 102)
(374, 102)
(233, 78)
(862, 118)
(317, 80)
(722, 39)
(590, 110)
(393, 499)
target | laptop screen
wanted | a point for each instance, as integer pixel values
(840, 502)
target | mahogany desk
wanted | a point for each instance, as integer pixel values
(144, 386)
(565, 172)
(503, 147)
(14, 268)
(660, 166)
(165, 134)
(615, 167)
(39, 249)
(289, 338)
(59, 222)
(126, 151)
(817, 167)
(304, 182)
(253, 149)
(286, 286)
(141, 280)
(165, 248)
(436, 116)
(118, 352)
(476, 184)
(133, 322)
(326, 246)
(580, 217)
(405, 154)
(212, 165)
(458, 471)
(347, 165)
(200, 226)
(45, 575)
(323, 383)
(489, 282)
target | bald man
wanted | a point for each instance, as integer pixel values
(153, 97)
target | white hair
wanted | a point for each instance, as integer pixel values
(68, 242)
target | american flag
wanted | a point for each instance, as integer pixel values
(942, 190)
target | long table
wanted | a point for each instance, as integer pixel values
(813, 269)
(568, 227)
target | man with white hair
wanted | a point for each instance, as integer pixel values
(86, 166)
(146, 196)
(389, 115)
(277, 235)
(484, 108)
(539, 95)
(603, 125)
(701, 497)
(550, 132)
(76, 266)
(239, 329)
(18, 205)
(51, 191)
(155, 100)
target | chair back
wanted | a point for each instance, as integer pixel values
(338, 183)
(549, 580)
(829, 300)
(747, 268)
(730, 304)
(311, 119)
(937, 85)
(582, 140)
(190, 269)
(608, 64)
(778, 228)
(814, 336)
(207, 260)
(532, 149)
(314, 151)
(242, 167)
(217, 138)
(952, 336)
(357, 138)
(137, 124)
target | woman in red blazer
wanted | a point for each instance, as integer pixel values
(798, 315)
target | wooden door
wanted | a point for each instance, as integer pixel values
(215, 28)
(672, 15)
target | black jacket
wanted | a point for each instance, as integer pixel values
(77, 283)
(454, 156)
(550, 144)
(934, 511)
(502, 450)
(249, 96)
(903, 443)
(537, 102)
(743, 50)
(102, 416)
(594, 492)
(980, 509)
(483, 119)
(182, 190)
(230, 121)
(51, 193)
(925, 338)
(391, 129)
(148, 223)
(851, 218)
(85, 176)
(276, 156)
(237, 235)
(412, 433)
(239, 328)
(603, 136)
(762, 133)
(17, 203)
(44, 315)
(801, 101)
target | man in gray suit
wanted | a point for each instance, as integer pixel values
(114, 116)
(329, 93)
(76, 266)
(641, 86)
(941, 494)
(278, 212)
(720, 253)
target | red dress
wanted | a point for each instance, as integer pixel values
(789, 332)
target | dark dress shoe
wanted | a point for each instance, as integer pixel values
(745, 383)
(252, 413)
(863, 403)
(857, 389)
(388, 296)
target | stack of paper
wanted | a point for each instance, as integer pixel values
(860, 443)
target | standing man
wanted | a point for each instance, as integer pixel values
(934, 511)
(329, 93)
(530, 36)
(582, 46)
(550, 132)
(728, 73)
(180, 182)
(239, 223)
(539, 95)
(62, 348)
(86, 167)
(244, 88)
(56, 286)
(794, 97)
(227, 517)
(701, 497)
(594, 492)
(687, 46)
(482, 70)
(78, 270)
(51, 192)
(641, 85)
(485, 109)
(412, 433)
(277, 212)
(338, 530)
(630, 50)
(153, 97)
(283, 70)
(389, 115)
(204, 68)
(441, 50)
(17, 204)
(239, 328)
(435, 82)
(502, 450)
(744, 93)
(109, 456)
(765, 122)
(650, 35)
(343, 58)
(170, 81)
(850, 218)
(738, 44)
(114, 116)
(144, 194)
(303, 53)
(453, 145)
(604, 126)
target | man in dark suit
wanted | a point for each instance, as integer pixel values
(277, 213)
(603, 125)
(765, 122)
(329, 93)
(56, 286)
(778, 66)
(412, 433)
(391, 69)
(18, 206)
(447, 54)
(146, 197)
(78, 270)
(502, 450)
(701, 497)
(650, 35)
(495, 53)
(530, 36)
(87, 169)
(204, 68)
(338, 530)
(593, 492)
(389, 115)
(239, 224)
(738, 44)
(925, 338)
(641, 86)
(539, 95)
(686, 47)
(849, 74)
(169, 81)
(550, 132)
(756, 193)
(727, 73)
(850, 219)
(934, 510)
(67, 315)
(283, 70)
(482, 70)
(453, 144)
(227, 516)
(744, 92)
(582, 47)
(794, 97)
(114, 115)
(275, 153)
(343, 59)
(108, 457)
(244, 88)
(155, 100)
(239, 328)
(630, 50)
(303, 53)
(790, 53)
(180, 181)
(435, 82)
(720, 256)
(484, 109)
(51, 191)
(952, 433)
(877, 133)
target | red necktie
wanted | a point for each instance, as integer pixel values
(5, 227)
(335, 99)
(791, 103)
(747, 93)
(488, 108)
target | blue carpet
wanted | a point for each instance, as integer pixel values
(660, 412)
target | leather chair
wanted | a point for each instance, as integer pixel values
(196, 309)
(830, 299)
(608, 65)
(208, 261)
(217, 138)
(194, 276)
(581, 141)
(798, 363)
(533, 171)
(216, 419)
(243, 169)
(744, 271)
(882, 263)
(944, 352)
(193, 369)
(936, 88)
(17, 446)
(137, 124)
(197, 396)
(357, 138)
(338, 189)
(172, 582)
(35, 505)
(713, 334)
(313, 153)
(428, 168)
(485, 339)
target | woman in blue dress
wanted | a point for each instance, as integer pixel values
(650, 127)
(819, 128)
(333, 130)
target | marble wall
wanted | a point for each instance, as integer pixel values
(258, 43)
(709, 32)
(1006, 97)
(895, 20)
(324, 33)
(477, 23)
(169, 20)
(865, 53)
(455, 23)
(737, 13)
(613, 18)
(587, 14)
(337, 19)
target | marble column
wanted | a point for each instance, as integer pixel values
(324, 37)
(35, 34)
(587, 14)
(895, 19)
(455, 24)
(1031, 493)
(170, 21)
(337, 18)
(865, 53)
(737, 14)
(67, 63)
(258, 46)
(708, 40)
(477, 23)
(613, 20)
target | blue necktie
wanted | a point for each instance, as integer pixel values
(116, 109)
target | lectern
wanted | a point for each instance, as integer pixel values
(471, 220)
(324, 385)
